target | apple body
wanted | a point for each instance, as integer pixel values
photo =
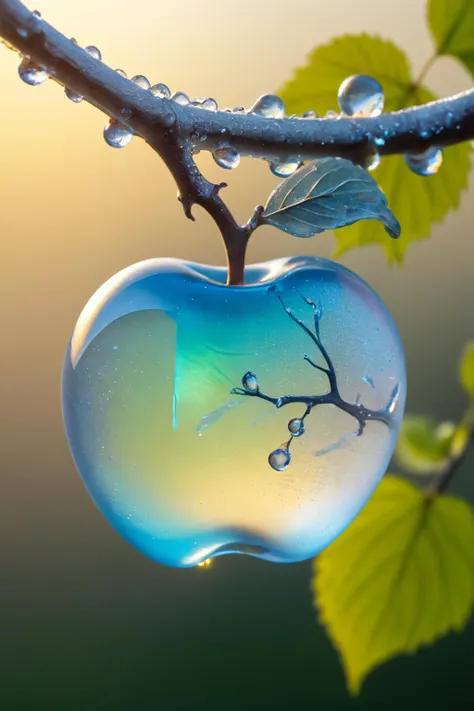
(177, 463)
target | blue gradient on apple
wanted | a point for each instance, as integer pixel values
(179, 465)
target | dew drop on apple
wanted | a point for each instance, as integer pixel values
(30, 73)
(117, 135)
(226, 157)
(161, 91)
(361, 95)
(93, 51)
(141, 81)
(282, 169)
(296, 426)
(250, 382)
(269, 106)
(164, 416)
(426, 163)
(279, 459)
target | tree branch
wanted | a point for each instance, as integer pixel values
(175, 131)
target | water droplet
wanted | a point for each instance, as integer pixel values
(296, 426)
(239, 110)
(141, 81)
(426, 163)
(249, 382)
(226, 157)
(331, 114)
(270, 106)
(122, 73)
(93, 51)
(180, 98)
(279, 459)
(309, 115)
(37, 14)
(117, 135)
(30, 73)
(161, 91)
(372, 161)
(282, 169)
(361, 95)
(208, 104)
(77, 98)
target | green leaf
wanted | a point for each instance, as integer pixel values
(452, 25)
(417, 201)
(315, 85)
(424, 447)
(327, 194)
(399, 577)
(467, 369)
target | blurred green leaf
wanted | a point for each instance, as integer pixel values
(399, 577)
(315, 85)
(452, 25)
(424, 447)
(416, 201)
(467, 369)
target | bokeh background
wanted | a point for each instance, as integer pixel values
(86, 622)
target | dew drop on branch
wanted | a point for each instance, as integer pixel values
(279, 459)
(361, 95)
(161, 91)
(331, 114)
(309, 115)
(208, 104)
(76, 98)
(122, 73)
(93, 51)
(269, 106)
(117, 135)
(30, 73)
(180, 98)
(141, 81)
(426, 163)
(372, 161)
(226, 157)
(282, 169)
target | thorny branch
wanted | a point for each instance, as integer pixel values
(296, 426)
(172, 130)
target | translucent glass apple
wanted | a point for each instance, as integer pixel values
(177, 456)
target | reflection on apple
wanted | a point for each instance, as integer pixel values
(207, 419)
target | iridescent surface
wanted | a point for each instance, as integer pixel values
(179, 465)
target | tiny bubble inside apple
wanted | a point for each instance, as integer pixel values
(175, 452)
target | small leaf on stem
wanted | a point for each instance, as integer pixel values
(326, 194)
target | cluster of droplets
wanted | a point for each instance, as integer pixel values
(359, 95)
(280, 458)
